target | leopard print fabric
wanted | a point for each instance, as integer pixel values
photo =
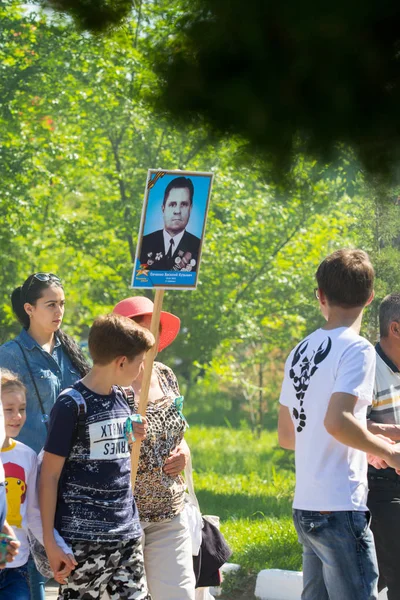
(159, 496)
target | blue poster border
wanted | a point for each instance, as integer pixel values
(144, 277)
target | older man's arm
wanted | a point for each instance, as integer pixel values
(391, 431)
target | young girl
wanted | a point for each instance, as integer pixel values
(20, 467)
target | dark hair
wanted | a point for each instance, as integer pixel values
(179, 183)
(113, 335)
(389, 311)
(346, 277)
(30, 291)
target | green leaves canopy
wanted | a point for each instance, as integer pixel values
(276, 72)
(78, 136)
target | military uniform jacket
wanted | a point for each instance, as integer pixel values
(185, 255)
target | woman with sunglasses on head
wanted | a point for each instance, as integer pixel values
(46, 359)
(160, 489)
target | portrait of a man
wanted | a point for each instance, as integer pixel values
(173, 247)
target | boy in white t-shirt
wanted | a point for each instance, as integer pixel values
(327, 387)
(20, 467)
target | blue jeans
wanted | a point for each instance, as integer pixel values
(37, 582)
(14, 584)
(339, 558)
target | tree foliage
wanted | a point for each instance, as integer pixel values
(377, 229)
(97, 16)
(288, 77)
(78, 137)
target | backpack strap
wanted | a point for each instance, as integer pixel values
(129, 396)
(82, 409)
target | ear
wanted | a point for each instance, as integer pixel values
(394, 329)
(28, 308)
(322, 297)
(163, 207)
(120, 361)
(372, 296)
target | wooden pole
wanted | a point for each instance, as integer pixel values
(148, 368)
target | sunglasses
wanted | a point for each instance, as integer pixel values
(47, 277)
(43, 277)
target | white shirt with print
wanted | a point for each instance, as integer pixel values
(20, 465)
(329, 475)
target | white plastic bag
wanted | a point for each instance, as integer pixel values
(195, 519)
(195, 524)
(203, 594)
(192, 509)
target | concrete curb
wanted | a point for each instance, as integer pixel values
(276, 584)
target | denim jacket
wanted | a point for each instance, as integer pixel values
(52, 372)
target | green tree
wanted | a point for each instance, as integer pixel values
(274, 72)
(377, 230)
(81, 136)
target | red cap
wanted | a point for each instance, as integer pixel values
(137, 306)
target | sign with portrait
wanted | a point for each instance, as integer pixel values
(172, 229)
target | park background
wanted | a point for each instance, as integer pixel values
(79, 130)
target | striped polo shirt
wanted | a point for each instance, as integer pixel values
(386, 401)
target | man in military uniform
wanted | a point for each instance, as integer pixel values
(173, 248)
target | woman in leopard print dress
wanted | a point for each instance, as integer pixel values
(160, 489)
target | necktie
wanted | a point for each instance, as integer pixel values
(168, 256)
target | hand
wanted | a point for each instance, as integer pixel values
(393, 460)
(61, 576)
(176, 462)
(61, 564)
(375, 461)
(12, 546)
(140, 429)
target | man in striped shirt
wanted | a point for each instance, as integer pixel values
(384, 419)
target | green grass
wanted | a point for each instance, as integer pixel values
(249, 483)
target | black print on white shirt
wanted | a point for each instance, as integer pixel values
(302, 369)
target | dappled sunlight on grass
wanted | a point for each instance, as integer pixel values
(233, 451)
(264, 544)
(240, 478)
(245, 496)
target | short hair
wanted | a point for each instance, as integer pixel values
(389, 311)
(346, 277)
(112, 335)
(11, 381)
(179, 183)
